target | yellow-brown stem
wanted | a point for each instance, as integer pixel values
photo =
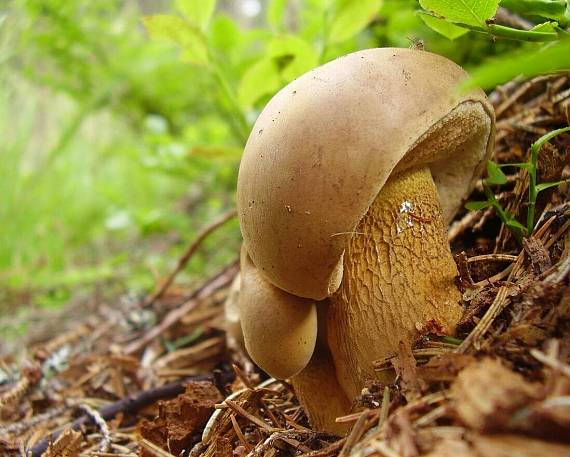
(317, 386)
(320, 394)
(398, 275)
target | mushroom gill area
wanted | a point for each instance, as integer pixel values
(454, 148)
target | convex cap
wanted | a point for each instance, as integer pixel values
(324, 146)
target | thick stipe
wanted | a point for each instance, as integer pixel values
(398, 276)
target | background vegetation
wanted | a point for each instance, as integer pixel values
(116, 148)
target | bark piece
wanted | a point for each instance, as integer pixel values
(180, 421)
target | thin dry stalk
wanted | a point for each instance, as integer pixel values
(248, 416)
(221, 280)
(105, 443)
(185, 258)
(355, 434)
(551, 362)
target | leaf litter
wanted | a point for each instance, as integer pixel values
(152, 376)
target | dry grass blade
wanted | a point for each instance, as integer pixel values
(330, 450)
(221, 280)
(355, 434)
(496, 308)
(381, 448)
(153, 449)
(100, 422)
(551, 362)
(246, 415)
(185, 258)
(495, 257)
(67, 445)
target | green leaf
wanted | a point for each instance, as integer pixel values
(547, 185)
(471, 12)
(550, 9)
(551, 58)
(275, 13)
(351, 17)
(175, 29)
(441, 26)
(513, 224)
(538, 35)
(525, 165)
(262, 78)
(546, 27)
(477, 205)
(198, 12)
(225, 34)
(495, 174)
(295, 55)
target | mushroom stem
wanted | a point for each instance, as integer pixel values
(398, 276)
(317, 386)
(319, 392)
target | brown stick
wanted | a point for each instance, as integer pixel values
(220, 280)
(183, 261)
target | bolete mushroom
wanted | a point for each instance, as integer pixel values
(346, 186)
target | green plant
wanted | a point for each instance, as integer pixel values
(275, 56)
(495, 176)
(550, 17)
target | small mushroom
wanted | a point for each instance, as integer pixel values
(347, 194)
(279, 329)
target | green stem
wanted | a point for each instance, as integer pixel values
(500, 211)
(451, 340)
(508, 33)
(532, 170)
(532, 193)
(242, 127)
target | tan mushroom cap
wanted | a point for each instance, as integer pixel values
(325, 145)
(279, 329)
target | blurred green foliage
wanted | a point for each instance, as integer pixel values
(116, 149)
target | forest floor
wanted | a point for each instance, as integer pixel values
(154, 377)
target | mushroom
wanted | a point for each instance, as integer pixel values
(279, 329)
(346, 186)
